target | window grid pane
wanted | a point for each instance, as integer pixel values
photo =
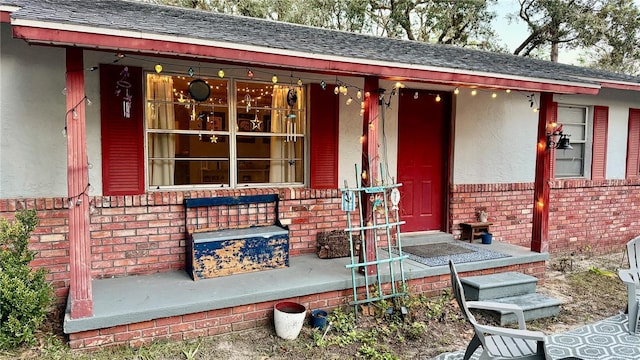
(188, 142)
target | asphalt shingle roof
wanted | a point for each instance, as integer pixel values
(195, 24)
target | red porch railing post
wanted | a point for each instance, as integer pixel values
(370, 161)
(78, 188)
(540, 232)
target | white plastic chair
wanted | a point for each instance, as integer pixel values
(630, 278)
(498, 342)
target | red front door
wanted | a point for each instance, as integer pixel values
(422, 140)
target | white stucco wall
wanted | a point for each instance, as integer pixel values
(350, 128)
(495, 139)
(619, 103)
(33, 155)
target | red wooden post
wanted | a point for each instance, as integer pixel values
(540, 232)
(370, 162)
(78, 188)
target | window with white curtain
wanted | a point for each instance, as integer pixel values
(245, 133)
(571, 163)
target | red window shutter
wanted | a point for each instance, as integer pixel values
(122, 138)
(323, 117)
(633, 144)
(599, 150)
(552, 152)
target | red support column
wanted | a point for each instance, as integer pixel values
(370, 161)
(540, 232)
(78, 188)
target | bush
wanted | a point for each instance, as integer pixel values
(25, 295)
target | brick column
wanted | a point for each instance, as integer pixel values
(540, 231)
(78, 188)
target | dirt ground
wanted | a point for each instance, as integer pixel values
(587, 285)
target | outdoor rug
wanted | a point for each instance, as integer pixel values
(607, 339)
(439, 254)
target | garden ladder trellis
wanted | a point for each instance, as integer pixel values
(382, 194)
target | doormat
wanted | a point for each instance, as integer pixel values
(439, 254)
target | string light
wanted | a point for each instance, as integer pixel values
(191, 72)
(456, 91)
(323, 85)
(494, 95)
(250, 74)
(438, 98)
(158, 68)
(274, 79)
(77, 199)
(221, 73)
(349, 101)
(359, 94)
(299, 82)
(474, 92)
(336, 90)
(508, 91)
(74, 112)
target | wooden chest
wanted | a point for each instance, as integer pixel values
(236, 251)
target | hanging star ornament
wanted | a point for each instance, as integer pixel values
(214, 139)
(256, 124)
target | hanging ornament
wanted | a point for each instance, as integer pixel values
(158, 68)
(395, 199)
(274, 79)
(220, 73)
(256, 123)
(299, 82)
(191, 72)
(250, 74)
(124, 84)
(292, 97)
(247, 100)
(323, 85)
(214, 139)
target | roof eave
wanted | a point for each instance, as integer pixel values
(40, 32)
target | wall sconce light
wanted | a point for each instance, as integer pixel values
(562, 142)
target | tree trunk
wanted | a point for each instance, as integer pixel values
(554, 52)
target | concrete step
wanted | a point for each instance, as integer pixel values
(500, 285)
(535, 306)
(428, 237)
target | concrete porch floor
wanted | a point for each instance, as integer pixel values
(132, 299)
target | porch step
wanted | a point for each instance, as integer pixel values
(426, 238)
(510, 288)
(534, 306)
(494, 286)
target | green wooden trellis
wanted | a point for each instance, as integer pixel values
(381, 193)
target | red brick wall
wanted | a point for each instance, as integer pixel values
(133, 235)
(145, 234)
(598, 217)
(249, 316)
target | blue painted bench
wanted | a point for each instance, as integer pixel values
(233, 235)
